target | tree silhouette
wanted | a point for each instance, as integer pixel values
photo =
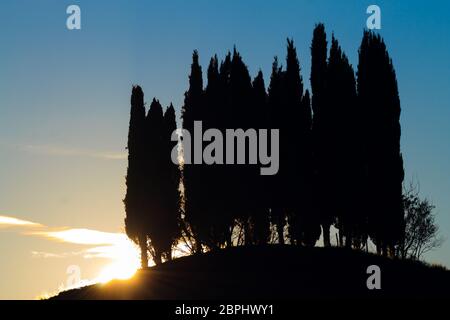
(225, 174)
(240, 116)
(296, 152)
(320, 129)
(276, 101)
(170, 186)
(215, 192)
(379, 100)
(421, 230)
(344, 166)
(154, 178)
(259, 191)
(194, 213)
(134, 198)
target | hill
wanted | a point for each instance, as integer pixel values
(278, 272)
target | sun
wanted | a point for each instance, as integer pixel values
(116, 270)
(121, 251)
(125, 261)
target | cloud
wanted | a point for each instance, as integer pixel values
(6, 221)
(102, 244)
(41, 254)
(112, 245)
(72, 152)
(84, 236)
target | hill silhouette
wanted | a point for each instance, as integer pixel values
(274, 272)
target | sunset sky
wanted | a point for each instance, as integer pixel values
(64, 110)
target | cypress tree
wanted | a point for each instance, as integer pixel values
(226, 173)
(241, 117)
(345, 167)
(259, 190)
(320, 131)
(134, 198)
(380, 102)
(214, 197)
(276, 102)
(296, 153)
(192, 110)
(159, 188)
(155, 216)
(171, 184)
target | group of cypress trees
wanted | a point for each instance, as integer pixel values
(152, 198)
(340, 160)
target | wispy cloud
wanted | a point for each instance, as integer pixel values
(72, 152)
(42, 254)
(84, 236)
(6, 221)
(110, 245)
(100, 244)
(116, 247)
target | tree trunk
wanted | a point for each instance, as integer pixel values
(168, 256)
(157, 257)
(326, 235)
(228, 237)
(247, 233)
(348, 240)
(198, 247)
(280, 231)
(384, 252)
(144, 253)
(279, 219)
(341, 238)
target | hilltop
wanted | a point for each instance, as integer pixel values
(279, 272)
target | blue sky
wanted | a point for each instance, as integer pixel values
(64, 101)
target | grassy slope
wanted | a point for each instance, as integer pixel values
(273, 272)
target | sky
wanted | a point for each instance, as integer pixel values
(64, 109)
